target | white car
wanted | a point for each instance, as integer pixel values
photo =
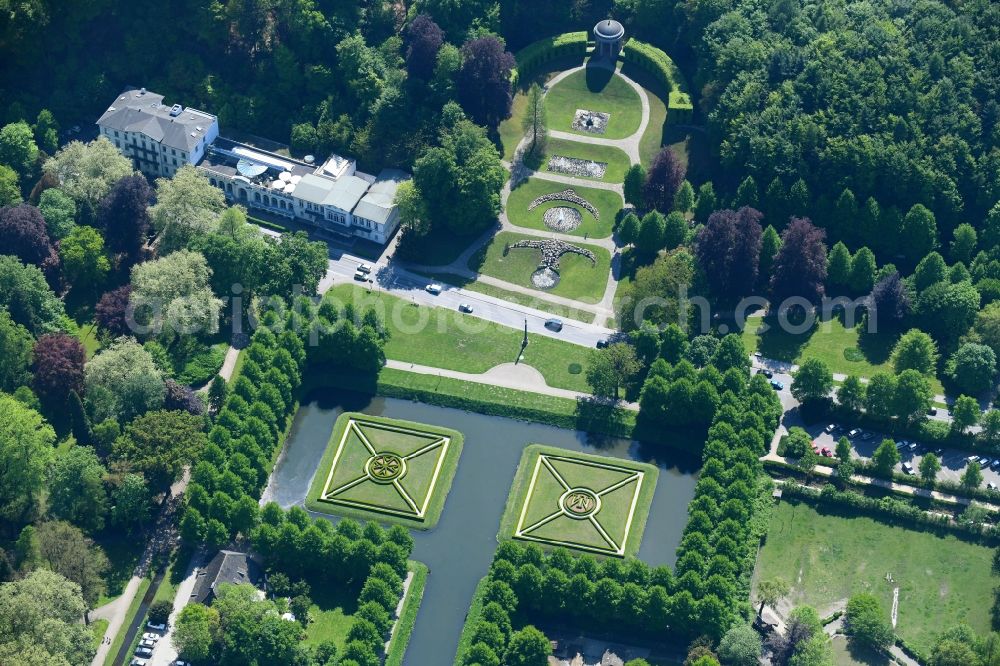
(150, 636)
(365, 268)
(433, 289)
(146, 643)
(136, 661)
(143, 652)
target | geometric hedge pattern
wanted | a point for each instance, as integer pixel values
(385, 468)
(580, 504)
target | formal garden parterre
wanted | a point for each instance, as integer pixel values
(386, 469)
(578, 501)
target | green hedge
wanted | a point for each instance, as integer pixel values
(660, 65)
(532, 56)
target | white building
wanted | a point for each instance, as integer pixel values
(333, 196)
(158, 138)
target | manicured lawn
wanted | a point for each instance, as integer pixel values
(510, 129)
(448, 339)
(518, 298)
(97, 628)
(848, 351)
(594, 89)
(331, 615)
(87, 334)
(579, 501)
(606, 202)
(827, 558)
(392, 470)
(408, 616)
(617, 161)
(579, 277)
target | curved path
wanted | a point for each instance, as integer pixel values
(603, 310)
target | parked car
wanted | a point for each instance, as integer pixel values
(136, 661)
(554, 325)
(156, 627)
(985, 462)
(996, 464)
(830, 428)
(932, 412)
(767, 373)
(901, 444)
(146, 643)
(991, 486)
(150, 636)
(143, 652)
(181, 663)
(601, 344)
(777, 386)
(866, 436)
(465, 307)
(912, 447)
(364, 268)
(972, 459)
(854, 433)
(907, 468)
(433, 289)
(360, 277)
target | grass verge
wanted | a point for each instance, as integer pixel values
(579, 278)
(98, 628)
(606, 202)
(420, 480)
(408, 616)
(515, 297)
(593, 472)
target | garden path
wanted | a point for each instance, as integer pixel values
(505, 375)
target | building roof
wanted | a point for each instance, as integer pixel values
(609, 29)
(343, 193)
(228, 566)
(144, 111)
(377, 204)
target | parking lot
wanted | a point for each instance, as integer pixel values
(953, 462)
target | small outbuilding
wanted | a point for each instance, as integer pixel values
(609, 35)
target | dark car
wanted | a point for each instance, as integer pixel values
(554, 325)
(777, 386)
(465, 307)
(767, 373)
(601, 344)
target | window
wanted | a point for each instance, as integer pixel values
(116, 144)
(116, 134)
(173, 151)
(256, 197)
(175, 161)
(212, 181)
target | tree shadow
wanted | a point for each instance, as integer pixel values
(877, 346)
(781, 345)
(597, 77)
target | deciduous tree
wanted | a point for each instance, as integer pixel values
(972, 367)
(59, 212)
(800, 265)
(484, 87)
(663, 179)
(423, 42)
(915, 350)
(813, 380)
(87, 171)
(123, 214)
(26, 448)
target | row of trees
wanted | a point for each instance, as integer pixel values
(231, 468)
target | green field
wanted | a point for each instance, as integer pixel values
(579, 278)
(617, 161)
(454, 341)
(331, 615)
(510, 129)
(847, 351)
(827, 558)
(606, 202)
(594, 89)
(579, 501)
(387, 469)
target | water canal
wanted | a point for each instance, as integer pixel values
(459, 549)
